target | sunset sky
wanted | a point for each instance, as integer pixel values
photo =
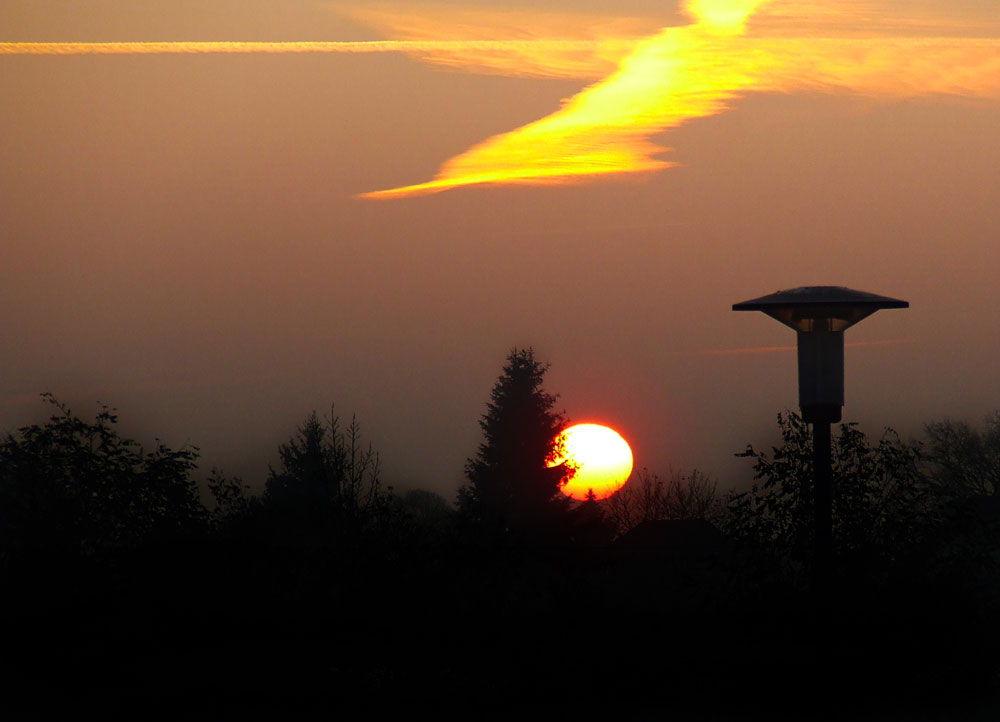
(219, 215)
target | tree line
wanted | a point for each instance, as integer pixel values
(113, 549)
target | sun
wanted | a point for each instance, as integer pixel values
(602, 458)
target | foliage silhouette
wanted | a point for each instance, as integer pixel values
(963, 462)
(427, 509)
(327, 479)
(592, 526)
(336, 592)
(76, 487)
(917, 572)
(961, 467)
(650, 497)
(231, 497)
(879, 501)
(511, 489)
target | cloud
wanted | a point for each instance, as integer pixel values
(592, 48)
(646, 79)
(696, 70)
(673, 76)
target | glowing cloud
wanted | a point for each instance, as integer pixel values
(602, 40)
(680, 73)
(727, 17)
(648, 81)
(693, 71)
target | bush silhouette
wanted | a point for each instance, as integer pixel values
(878, 496)
(78, 488)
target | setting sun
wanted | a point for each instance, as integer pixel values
(602, 458)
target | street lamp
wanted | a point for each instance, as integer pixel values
(820, 315)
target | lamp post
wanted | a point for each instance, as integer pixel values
(820, 315)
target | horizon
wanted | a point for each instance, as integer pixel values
(218, 243)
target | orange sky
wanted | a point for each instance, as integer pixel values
(183, 236)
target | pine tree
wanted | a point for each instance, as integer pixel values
(511, 489)
(327, 480)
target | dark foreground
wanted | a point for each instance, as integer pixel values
(696, 629)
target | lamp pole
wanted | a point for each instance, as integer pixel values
(820, 315)
(822, 501)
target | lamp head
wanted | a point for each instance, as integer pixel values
(820, 315)
(819, 308)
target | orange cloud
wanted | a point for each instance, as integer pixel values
(695, 70)
(890, 67)
(874, 19)
(678, 74)
(594, 44)
(648, 80)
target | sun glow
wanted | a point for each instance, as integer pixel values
(601, 457)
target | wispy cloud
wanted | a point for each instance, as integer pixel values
(780, 349)
(648, 80)
(678, 74)
(604, 39)
(696, 70)
(876, 18)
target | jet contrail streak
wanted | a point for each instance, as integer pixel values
(367, 46)
(773, 349)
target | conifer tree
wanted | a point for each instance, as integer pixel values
(511, 488)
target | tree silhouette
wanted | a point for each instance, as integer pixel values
(511, 488)
(326, 479)
(961, 465)
(878, 496)
(79, 488)
(912, 552)
(426, 508)
(591, 524)
(650, 497)
(231, 497)
(964, 462)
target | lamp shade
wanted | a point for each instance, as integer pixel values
(820, 308)
(820, 315)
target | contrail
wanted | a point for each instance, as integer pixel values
(773, 349)
(366, 46)
(652, 83)
(741, 351)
